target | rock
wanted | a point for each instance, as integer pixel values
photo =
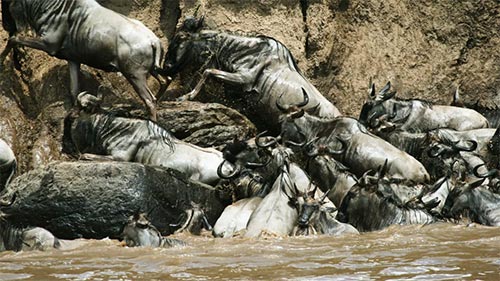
(95, 199)
(203, 124)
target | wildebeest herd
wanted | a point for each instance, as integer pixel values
(314, 172)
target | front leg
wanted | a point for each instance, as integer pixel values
(234, 78)
(96, 157)
(74, 71)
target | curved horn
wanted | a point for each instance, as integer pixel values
(325, 195)
(298, 144)
(306, 99)
(471, 147)
(229, 176)
(260, 143)
(253, 165)
(342, 149)
(436, 150)
(437, 184)
(488, 174)
(371, 90)
(279, 106)
(383, 169)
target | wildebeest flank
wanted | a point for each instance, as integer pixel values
(82, 31)
(104, 136)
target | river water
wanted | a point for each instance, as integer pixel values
(432, 252)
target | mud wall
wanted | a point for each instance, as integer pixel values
(425, 48)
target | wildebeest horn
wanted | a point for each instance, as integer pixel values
(279, 106)
(298, 144)
(437, 150)
(306, 99)
(488, 174)
(471, 147)
(5, 203)
(253, 165)
(382, 169)
(371, 89)
(85, 99)
(229, 176)
(260, 143)
(322, 199)
(342, 147)
(437, 184)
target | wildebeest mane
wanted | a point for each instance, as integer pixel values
(8, 22)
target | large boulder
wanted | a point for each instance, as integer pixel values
(94, 199)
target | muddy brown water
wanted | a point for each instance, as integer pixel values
(433, 252)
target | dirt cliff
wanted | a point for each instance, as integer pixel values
(425, 48)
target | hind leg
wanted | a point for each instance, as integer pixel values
(164, 83)
(139, 82)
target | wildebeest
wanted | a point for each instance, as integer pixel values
(315, 218)
(362, 151)
(84, 32)
(234, 219)
(490, 112)
(104, 136)
(415, 116)
(377, 202)
(139, 232)
(261, 65)
(473, 202)
(14, 238)
(8, 164)
(195, 221)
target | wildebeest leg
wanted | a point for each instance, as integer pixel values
(164, 83)
(36, 43)
(234, 78)
(96, 157)
(5, 53)
(139, 82)
(74, 71)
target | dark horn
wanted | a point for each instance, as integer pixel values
(306, 99)
(227, 177)
(260, 143)
(488, 174)
(436, 151)
(342, 147)
(279, 106)
(298, 144)
(472, 147)
(324, 195)
(253, 165)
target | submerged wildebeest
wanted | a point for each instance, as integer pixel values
(196, 220)
(103, 136)
(315, 218)
(14, 238)
(84, 32)
(383, 111)
(261, 65)
(8, 164)
(377, 202)
(474, 202)
(362, 151)
(139, 232)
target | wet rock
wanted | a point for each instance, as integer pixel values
(203, 124)
(95, 199)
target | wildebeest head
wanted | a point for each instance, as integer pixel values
(308, 206)
(196, 220)
(140, 232)
(459, 200)
(377, 111)
(187, 46)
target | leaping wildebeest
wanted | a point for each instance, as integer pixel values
(8, 164)
(84, 32)
(102, 136)
(261, 65)
(383, 110)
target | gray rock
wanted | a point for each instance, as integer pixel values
(95, 199)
